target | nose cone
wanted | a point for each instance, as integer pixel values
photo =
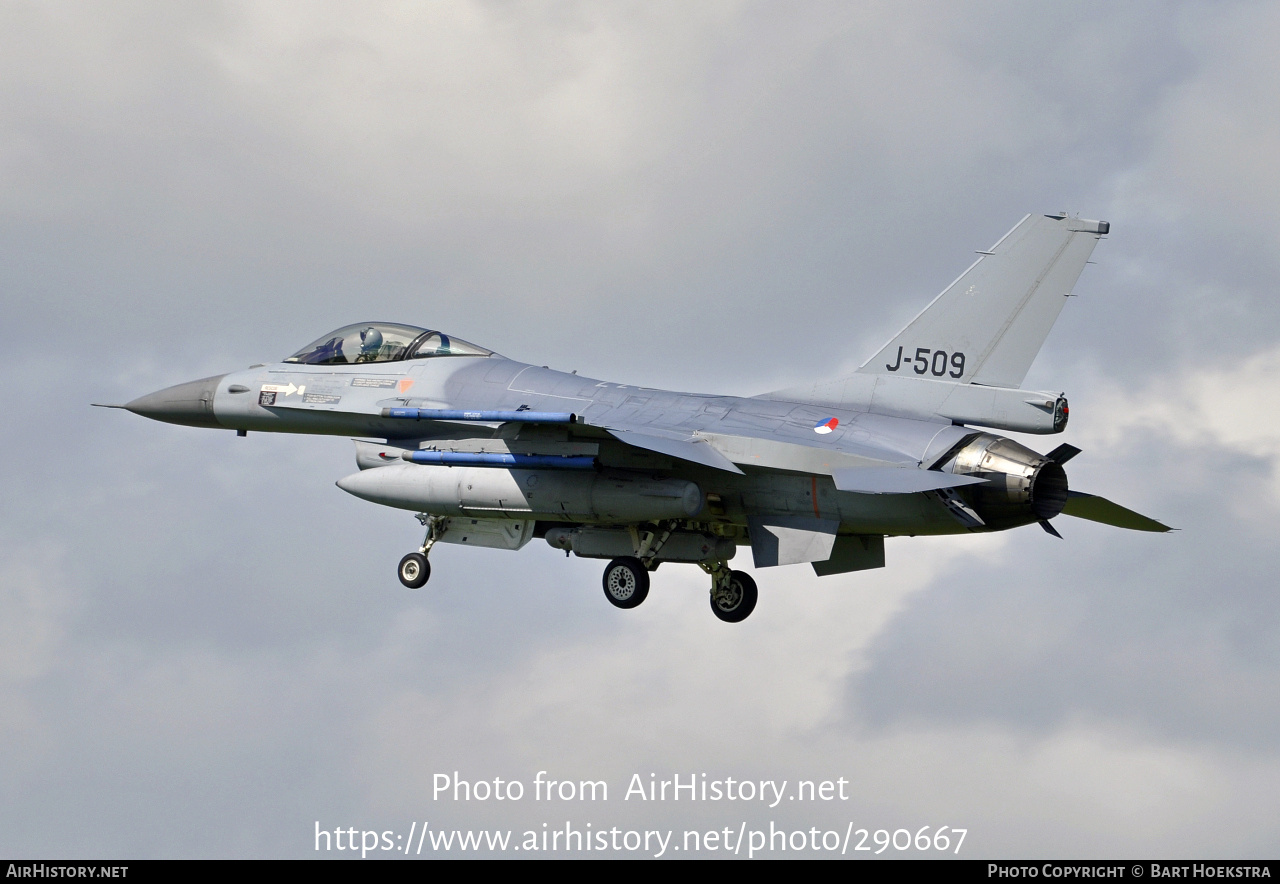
(189, 404)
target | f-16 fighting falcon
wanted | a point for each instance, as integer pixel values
(492, 452)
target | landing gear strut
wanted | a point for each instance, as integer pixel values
(733, 593)
(414, 569)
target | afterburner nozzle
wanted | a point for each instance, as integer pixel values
(1022, 486)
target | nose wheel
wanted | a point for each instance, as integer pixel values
(415, 570)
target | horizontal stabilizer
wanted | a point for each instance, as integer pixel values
(697, 452)
(894, 480)
(1099, 509)
(1063, 453)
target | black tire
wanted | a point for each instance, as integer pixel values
(739, 601)
(626, 582)
(415, 570)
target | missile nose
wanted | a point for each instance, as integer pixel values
(189, 404)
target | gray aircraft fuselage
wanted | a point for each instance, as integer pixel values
(787, 473)
(492, 452)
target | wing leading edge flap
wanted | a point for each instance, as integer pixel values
(896, 480)
(697, 452)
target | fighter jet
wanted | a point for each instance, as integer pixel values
(492, 452)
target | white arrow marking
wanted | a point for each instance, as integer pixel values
(288, 391)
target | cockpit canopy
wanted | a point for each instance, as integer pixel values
(382, 342)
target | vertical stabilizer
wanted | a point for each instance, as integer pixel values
(987, 326)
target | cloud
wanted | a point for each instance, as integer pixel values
(35, 600)
(1229, 408)
(1214, 132)
(203, 647)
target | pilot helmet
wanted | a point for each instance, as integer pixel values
(370, 342)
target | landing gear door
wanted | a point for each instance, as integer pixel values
(489, 533)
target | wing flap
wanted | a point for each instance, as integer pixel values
(894, 480)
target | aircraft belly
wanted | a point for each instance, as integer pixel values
(815, 497)
(332, 423)
(894, 514)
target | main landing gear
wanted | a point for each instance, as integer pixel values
(733, 593)
(415, 570)
(626, 582)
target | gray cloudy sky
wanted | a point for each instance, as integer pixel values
(203, 646)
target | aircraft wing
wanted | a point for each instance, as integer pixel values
(691, 449)
(860, 459)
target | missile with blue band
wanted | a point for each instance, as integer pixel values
(499, 459)
(446, 414)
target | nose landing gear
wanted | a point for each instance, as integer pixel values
(415, 570)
